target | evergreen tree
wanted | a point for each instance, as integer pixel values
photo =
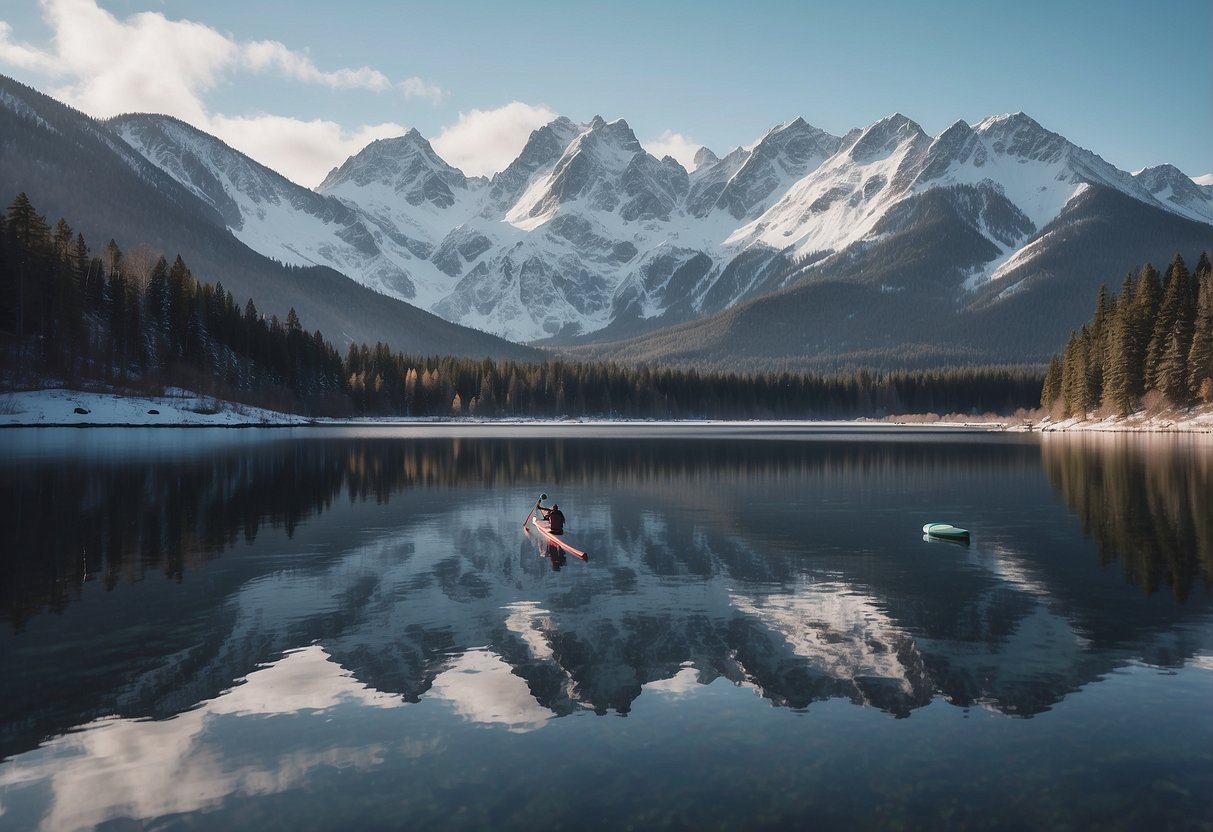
(1175, 314)
(1200, 357)
(1172, 374)
(1072, 368)
(1051, 391)
(1122, 374)
(31, 238)
(1097, 345)
(1147, 296)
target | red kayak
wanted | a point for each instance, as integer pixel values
(545, 529)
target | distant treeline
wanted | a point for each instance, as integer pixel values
(135, 320)
(1153, 339)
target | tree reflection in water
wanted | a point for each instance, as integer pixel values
(1145, 501)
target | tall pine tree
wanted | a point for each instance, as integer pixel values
(1200, 357)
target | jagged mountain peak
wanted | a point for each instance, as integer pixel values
(561, 130)
(957, 134)
(617, 133)
(788, 131)
(1177, 191)
(1009, 122)
(704, 157)
(882, 137)
(958, 144)
(748, 180)
(606, 168)
(1162, 173)
(399, 161)
(960, 126)
(542, 150)
(1017, 134)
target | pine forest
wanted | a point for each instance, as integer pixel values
(134, 321)
(1149, 345)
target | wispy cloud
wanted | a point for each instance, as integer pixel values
(23, 55)
(270, 54)
(416, 88)
(155, 64)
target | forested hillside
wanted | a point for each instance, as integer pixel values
(1154, 339)
(69, 316)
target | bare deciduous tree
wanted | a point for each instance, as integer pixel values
(138, 263)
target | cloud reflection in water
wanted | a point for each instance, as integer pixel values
(132, 768)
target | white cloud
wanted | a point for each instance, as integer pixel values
(302, 151)
(485, 141)
(416, 88)
(298, 65)
(146, 62)
(21, 54)
(105, 66)
(683, 148)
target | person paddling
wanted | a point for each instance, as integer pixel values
(555, 518)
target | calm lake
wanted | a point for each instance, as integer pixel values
(347, 628)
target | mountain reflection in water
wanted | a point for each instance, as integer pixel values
(397, 571)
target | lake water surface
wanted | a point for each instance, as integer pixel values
(348, 628)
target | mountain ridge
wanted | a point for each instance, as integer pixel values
(587, 237)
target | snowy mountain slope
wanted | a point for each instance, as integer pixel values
(543, 149)
(1187, 197)
(404, 182)
(781, 158)
(1006, 179)
(895, 301)
(265, 211)
(580, 226)
(588, 236)
(1036, 171)
(839, 202)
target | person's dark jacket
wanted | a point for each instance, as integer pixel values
(555, 517)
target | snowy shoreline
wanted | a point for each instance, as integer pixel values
(177, 408)
(181, 408)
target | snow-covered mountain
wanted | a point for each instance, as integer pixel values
(587, 234)
(265, 211)
(587, 238)
(1186, 196)
(1024, 174)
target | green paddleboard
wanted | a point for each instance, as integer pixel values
(945, 531)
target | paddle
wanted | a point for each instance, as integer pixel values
(526, 519)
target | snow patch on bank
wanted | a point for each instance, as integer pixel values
(1193, 420)
(176, 407)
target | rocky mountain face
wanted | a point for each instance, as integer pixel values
(587, 241)
(586, 237)
(1169, 185)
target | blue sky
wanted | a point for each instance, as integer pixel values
(301, 85)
